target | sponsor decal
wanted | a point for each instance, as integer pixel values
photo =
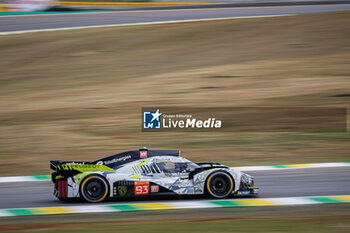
(143, 154)
(141, 188)
(122, 190)
(244, 192)
(76, 166)
(154, 188)
(114, 160)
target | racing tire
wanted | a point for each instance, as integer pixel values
(219, 185)
(94, 188)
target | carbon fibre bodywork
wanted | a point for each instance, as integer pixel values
(144, 172)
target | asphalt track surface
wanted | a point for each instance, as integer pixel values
(39, 22)
(274, 183)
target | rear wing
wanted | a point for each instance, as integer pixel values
(57, 164)
(65, 169)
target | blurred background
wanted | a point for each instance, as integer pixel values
(78, 94)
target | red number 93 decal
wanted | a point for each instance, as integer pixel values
(141, 188)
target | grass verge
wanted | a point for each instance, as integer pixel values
(330, 218)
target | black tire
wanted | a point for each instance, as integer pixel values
(94, 188)
(219, 185)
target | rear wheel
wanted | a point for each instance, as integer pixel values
(219, 185)
(94, 188)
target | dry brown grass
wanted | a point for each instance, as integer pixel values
(77, 95)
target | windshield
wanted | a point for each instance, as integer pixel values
(176, 166)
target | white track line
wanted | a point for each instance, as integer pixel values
(135, 24)
(300, 166)
(11, 179)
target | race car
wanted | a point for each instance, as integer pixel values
(29, 5)
(147, 172)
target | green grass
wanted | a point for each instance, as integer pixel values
(311, 218)
(255, 225)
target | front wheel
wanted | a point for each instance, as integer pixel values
(94, 188)
(219, 185)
